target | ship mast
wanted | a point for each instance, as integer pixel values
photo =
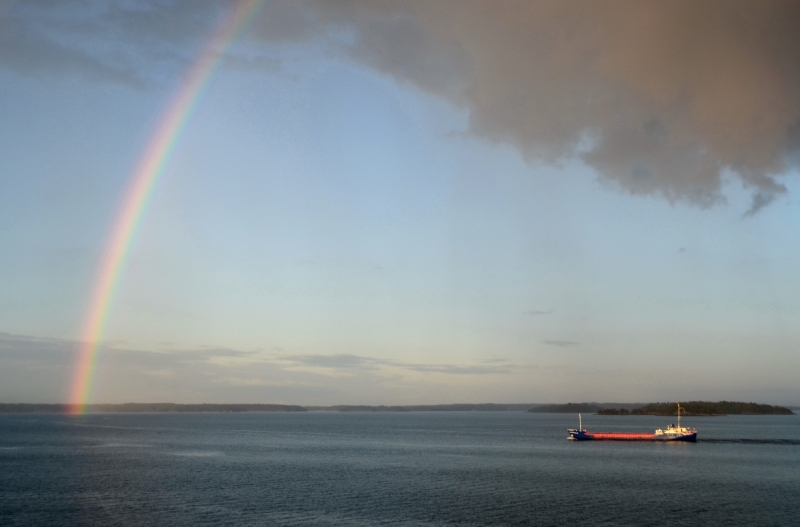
(679, 416)
(580, 422)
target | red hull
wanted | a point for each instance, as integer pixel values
(618, 436)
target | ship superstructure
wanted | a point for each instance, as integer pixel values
(670, 433)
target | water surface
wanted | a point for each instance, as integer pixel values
(429, 469)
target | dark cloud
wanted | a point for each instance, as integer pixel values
(660, 98)
(561, 343)
(126, 43)
(760, 200)
(28, 51)
(161, 22)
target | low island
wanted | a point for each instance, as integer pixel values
(701, 408)
(706, 408)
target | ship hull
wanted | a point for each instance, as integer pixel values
(624, 436)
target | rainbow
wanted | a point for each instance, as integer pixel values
(140, 189)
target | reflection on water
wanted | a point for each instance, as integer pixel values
(791, 442)
(471, 468)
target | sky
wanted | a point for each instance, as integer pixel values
(406, 202)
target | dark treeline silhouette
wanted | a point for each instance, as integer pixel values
(701, 408)
(711, 408)
(688, 408)
(614, 411)
(569, 408)
(585, 408)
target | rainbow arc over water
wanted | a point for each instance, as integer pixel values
(143, 180)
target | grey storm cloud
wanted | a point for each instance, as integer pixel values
(660, 98)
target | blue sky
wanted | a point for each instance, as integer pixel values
(343, 225)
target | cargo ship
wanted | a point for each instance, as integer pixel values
(671, 433)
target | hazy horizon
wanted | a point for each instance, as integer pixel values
(405, 203)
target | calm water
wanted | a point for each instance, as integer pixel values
(493, 468)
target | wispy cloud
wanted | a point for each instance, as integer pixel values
(561, 343)
(458, 370)
(342, 361)
(537, 312)
(759, 201)
(27, 348)
(28, 52)
(40, 369)
(123, 43)
(16, 347)
(353, 363)
(260, 63)
(35, 369)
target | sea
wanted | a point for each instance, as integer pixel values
(392, 469)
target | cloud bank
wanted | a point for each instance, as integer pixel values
(660, 98)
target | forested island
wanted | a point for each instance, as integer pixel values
(569, 408)
(688, 408)
(584, 408)
(701, 408)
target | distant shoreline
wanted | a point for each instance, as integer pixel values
(18, 408)
(692, 408)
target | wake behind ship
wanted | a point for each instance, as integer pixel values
(671, 433)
